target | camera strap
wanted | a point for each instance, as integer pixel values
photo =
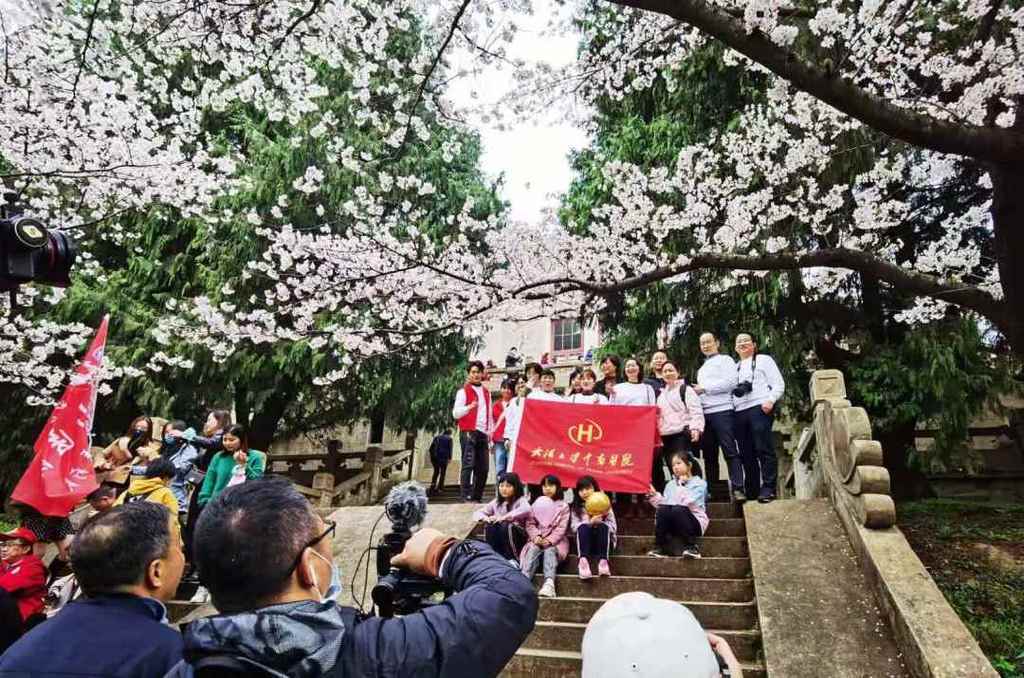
(753, 367)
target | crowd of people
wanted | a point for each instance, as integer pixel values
(174, 467)
(729, 407)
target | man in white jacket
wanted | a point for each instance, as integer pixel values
(472, 411)
(716, 380)
(760, 386)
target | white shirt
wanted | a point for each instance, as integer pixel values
(627, 393)
(718, 377)
(483, 413)
(768, 385)
(591, 399)
(541, 395)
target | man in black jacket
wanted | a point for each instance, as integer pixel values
(265, 556)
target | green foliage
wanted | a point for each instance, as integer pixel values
(950, 537)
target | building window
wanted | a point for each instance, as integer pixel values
(567, 336)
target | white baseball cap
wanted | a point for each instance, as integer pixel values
(635, 635)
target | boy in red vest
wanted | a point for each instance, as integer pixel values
(472, 411)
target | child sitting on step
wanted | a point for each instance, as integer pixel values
(548, 530)
(681, 511)
(595, 534)
(505, 519)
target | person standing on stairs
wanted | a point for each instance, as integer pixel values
(716, 380)
(586, 395)
(548, 530)
(656, 380)
(595, 534)
(760, 386)
(440, 454)
(505, 519)
(499, 415)
(681, 512)
(680, 422)
(472, 411)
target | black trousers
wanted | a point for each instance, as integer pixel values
(719, 432)
(675, 521)
(593, 541)
(672, 443)
(507, 539)
(757, 448)
(437, 480)
(11, 625)
(474, 464)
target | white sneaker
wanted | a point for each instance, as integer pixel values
(548, 590)
(201, 596)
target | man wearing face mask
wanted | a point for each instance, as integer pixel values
(266, 558)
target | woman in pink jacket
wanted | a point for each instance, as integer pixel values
(548, 531)
(680, 419)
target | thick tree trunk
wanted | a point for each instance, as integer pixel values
(907, 483)
(1008, 230)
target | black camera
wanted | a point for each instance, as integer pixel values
(31, 252)
(398, 591)
(742, 389)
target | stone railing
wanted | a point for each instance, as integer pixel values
(837, 456)
(377, 472)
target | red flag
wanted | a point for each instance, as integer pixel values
(61, 474)
(613, 443)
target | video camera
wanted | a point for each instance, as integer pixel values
(398, 591)
(31, 252)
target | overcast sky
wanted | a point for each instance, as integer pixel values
(533, 156)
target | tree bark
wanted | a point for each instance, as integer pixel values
(907, 483)
(1008, 231)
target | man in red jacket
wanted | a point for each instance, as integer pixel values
(22, 583)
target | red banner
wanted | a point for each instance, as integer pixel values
(61, 474)
(613, 443)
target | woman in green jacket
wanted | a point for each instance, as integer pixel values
(236, 464)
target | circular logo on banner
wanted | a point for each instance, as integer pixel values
(586, 432)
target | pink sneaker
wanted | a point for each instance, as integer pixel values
(584, 567)
(603, 569)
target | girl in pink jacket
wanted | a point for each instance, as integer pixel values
(680, 420)
(548, 530)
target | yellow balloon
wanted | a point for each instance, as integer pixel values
(598, 503)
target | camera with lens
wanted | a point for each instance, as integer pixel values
(31, 252)
(742, 389)
(398, 591)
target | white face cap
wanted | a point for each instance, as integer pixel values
(635, 635)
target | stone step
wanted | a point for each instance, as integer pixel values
(645, 566)
(710, 547)
(715, 510)
(723, 527)
(711, 615)
(529, 663)
(746, 644)
(674, 588)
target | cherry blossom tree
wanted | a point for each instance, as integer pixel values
(108, 107)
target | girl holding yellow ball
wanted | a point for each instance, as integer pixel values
(593, 521)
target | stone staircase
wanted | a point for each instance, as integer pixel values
(717, 588)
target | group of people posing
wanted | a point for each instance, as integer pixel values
(173, 466)
(729, 407)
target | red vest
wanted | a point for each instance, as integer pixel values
(468, 421)
(499, 429)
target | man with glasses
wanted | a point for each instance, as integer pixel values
(759, 387)
(265, 556)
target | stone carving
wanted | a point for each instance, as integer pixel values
(852, 462)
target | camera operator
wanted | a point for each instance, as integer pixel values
(265, 556)
(759, 386)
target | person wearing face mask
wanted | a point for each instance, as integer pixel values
(182, 455)
(266, 557)
(136, 445)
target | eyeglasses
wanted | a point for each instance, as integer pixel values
(331, 527)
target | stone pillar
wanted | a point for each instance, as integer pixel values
(323, 482)
(371, 464)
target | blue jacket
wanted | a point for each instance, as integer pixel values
(474, 633)
(113, 636)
